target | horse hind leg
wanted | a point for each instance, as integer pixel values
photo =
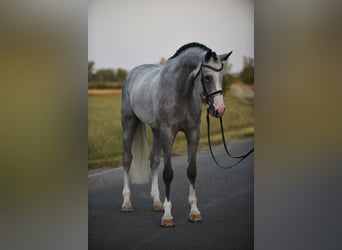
(129, 125)
(155, 160)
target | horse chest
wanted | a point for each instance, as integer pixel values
(181, 117)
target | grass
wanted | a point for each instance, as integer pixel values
(105, 132)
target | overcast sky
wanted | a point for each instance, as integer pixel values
(127, 33)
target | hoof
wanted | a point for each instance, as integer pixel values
(158, 207)
(127, 208)
(195, 218)
(167, 222)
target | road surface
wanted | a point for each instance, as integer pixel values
(225, 199)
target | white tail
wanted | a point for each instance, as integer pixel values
(139, 170)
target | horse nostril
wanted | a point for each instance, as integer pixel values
(219, 111)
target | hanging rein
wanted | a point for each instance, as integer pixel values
(206, 98)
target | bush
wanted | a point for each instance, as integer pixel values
(227, 80)
(105, 78)
(247, 73)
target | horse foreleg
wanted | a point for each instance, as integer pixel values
(167, 219)
(192, 137)
(167, 138)
(195, 215)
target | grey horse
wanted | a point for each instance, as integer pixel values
(168, 99)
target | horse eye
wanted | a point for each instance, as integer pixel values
(207, 78)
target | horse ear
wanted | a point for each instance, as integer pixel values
(224, 57)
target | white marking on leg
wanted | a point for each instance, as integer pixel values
(193, 201)
(167, 209)
(126, 193)
(155, 188)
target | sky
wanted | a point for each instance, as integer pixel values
(127, 33)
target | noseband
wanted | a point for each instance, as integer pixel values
(206, 93)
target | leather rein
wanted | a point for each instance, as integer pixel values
(206, 98)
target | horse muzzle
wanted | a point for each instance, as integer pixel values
(217, 108)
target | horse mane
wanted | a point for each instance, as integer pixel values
(190, 45)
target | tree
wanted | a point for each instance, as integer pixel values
(247, 73)
(105, 78)
(90, 71)
(121, 75)
(228, 78)
(103, 75)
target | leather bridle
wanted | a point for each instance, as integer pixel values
(206, 97)
(205, 90)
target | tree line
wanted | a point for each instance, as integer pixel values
(114, 78)
(105, 78)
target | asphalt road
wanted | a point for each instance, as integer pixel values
(225, 199)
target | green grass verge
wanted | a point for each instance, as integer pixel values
(104, 85)
(105, 132)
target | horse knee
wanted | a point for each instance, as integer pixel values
(167, 175)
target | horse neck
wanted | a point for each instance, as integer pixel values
(183, 71)
(189, 60)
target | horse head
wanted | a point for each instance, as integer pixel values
(211, 74)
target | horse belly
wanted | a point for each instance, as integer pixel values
(142, 104)
(143, 92)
